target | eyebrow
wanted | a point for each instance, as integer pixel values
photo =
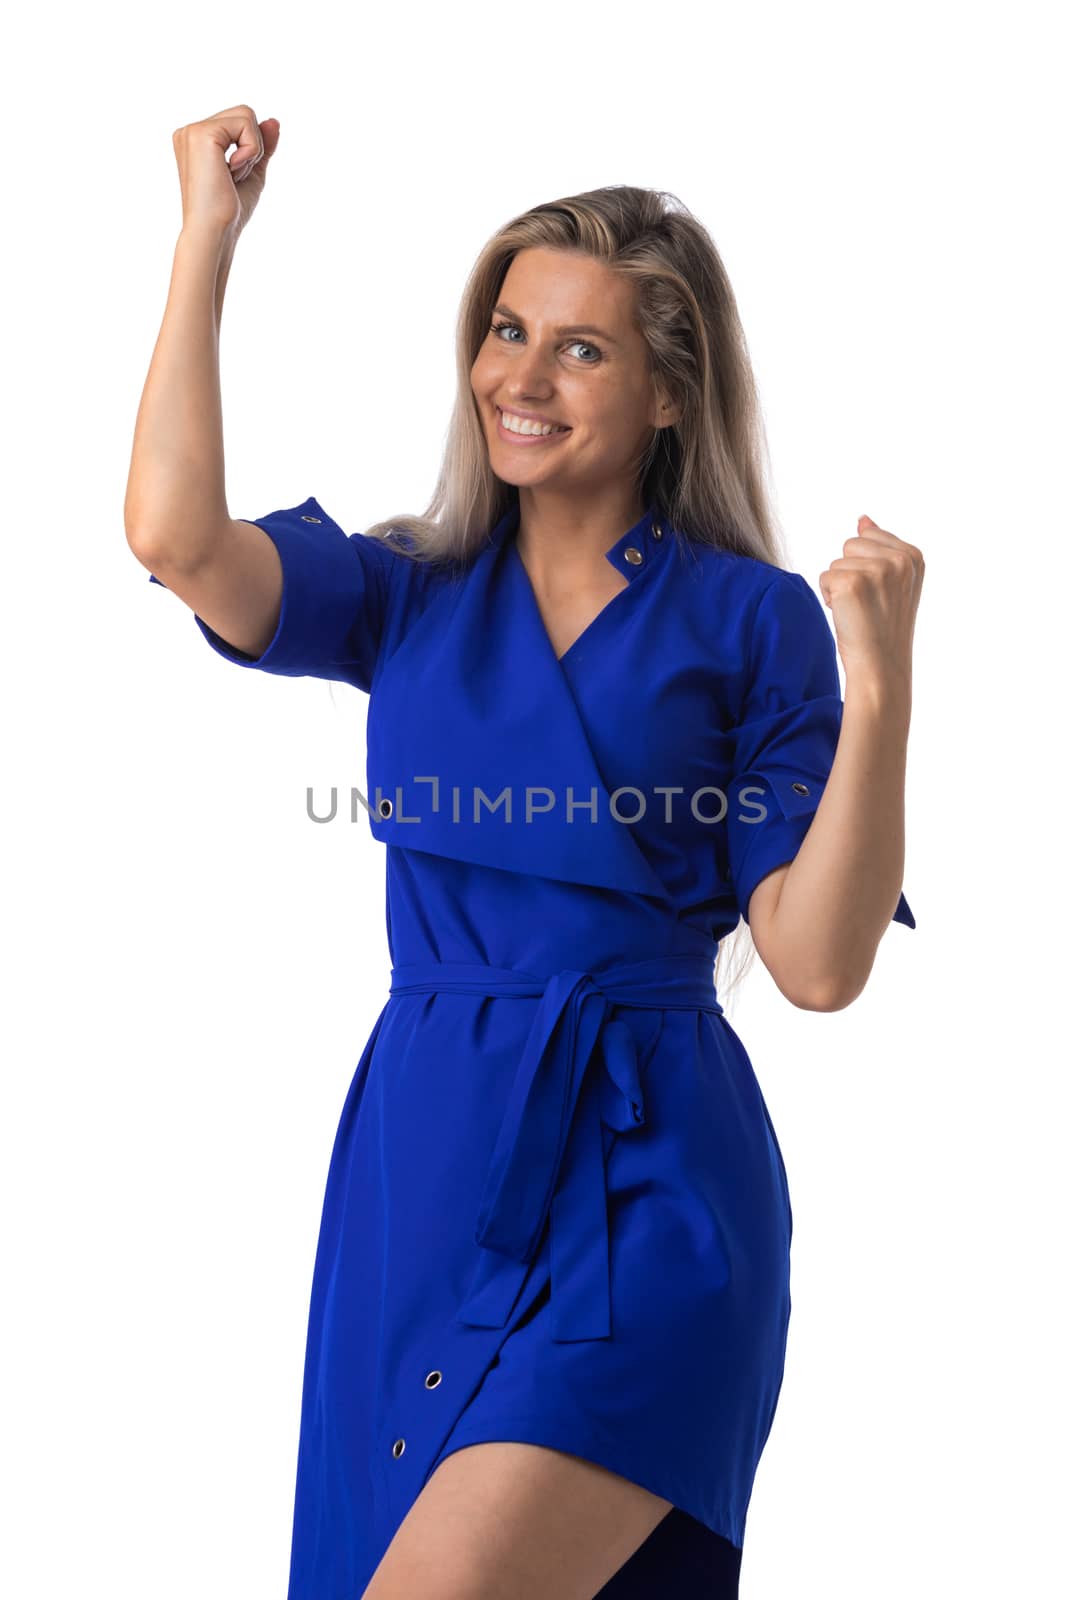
(583, 327)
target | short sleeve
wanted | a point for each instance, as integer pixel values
(333, 601)
(786, 736)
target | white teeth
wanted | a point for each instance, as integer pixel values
(523, 425)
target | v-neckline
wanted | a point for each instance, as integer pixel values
(528, 581)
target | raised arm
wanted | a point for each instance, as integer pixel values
(817, 922)
(177, 520)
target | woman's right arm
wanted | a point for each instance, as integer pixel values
(177, 521)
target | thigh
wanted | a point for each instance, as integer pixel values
(516, 1519)
(681, 1558)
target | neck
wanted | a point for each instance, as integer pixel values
(556, 528)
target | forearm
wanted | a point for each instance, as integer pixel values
(843, 886)
(225, 261)
(175, 494)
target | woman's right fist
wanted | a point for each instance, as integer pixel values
(214, 191)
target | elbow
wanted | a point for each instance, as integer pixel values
(138, 549)
(145, 549)
(157, 555)
(834, 992)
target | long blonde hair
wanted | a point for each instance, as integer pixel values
(710, 473)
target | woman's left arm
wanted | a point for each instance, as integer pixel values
(818, 921)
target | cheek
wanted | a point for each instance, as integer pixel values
(620, 416)
(483, 374)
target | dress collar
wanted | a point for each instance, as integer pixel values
(630, 554)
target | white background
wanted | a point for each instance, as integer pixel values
(193, 966)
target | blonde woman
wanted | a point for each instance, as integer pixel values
(605, 739)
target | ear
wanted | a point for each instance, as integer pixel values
(665, 412)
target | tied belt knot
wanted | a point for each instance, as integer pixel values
(549, 1152)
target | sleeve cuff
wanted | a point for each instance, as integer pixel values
(759, 847)
(333, 600)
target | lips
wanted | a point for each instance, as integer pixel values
(532, 416)
(527, 441)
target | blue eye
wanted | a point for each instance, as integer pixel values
(499, 328)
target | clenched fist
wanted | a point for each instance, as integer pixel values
(216, 192)
(873, 591)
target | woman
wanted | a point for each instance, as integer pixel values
(551, 1295)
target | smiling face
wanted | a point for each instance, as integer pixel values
(595, 384)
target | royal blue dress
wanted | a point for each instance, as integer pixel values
(556, 1209)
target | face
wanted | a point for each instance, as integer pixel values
(595, 384)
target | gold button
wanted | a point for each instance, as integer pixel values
(385, 808)
(634, 555)
(801, 788)
(656, 531)
(398, 1449)
(310, 519)
(433, 1380)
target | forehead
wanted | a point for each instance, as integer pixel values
(568, 286)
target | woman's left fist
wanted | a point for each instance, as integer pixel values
(873, 591)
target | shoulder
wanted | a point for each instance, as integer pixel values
(736, 593)
(400, 550)
(740, 577)
(411, 579)
(759, 627)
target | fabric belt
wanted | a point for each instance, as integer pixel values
(550, 1151)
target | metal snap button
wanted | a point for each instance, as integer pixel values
(385, 808)
(432, 1380)
(398, 1449)
(656, 531)
(801, 788)
(306, 518)
(634, 555)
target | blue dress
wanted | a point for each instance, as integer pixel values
(556, 1209)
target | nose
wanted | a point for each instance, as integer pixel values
(529, 375)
